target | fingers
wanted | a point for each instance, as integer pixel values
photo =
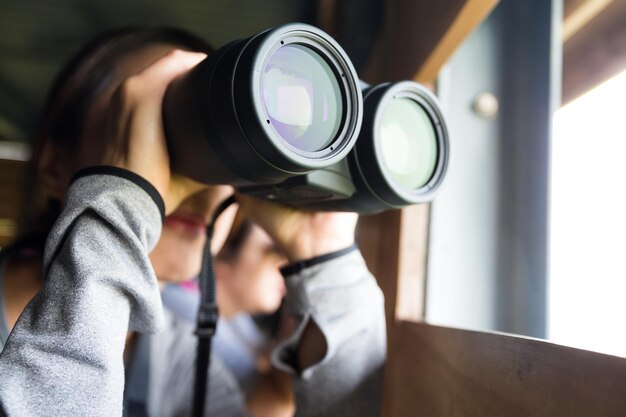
(222, 228)
(279, 221)
(301, 234)
(154, 79)
(179, 189)
(135, 127)
(252, 204)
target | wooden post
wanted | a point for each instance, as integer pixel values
(417, 39)
(394, 245)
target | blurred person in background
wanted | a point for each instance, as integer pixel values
(249, 292)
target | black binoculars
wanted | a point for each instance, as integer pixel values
(282, 115)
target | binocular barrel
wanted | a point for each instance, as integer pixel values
(263, 109)
(283, 116)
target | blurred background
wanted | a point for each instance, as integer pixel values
(528, 234)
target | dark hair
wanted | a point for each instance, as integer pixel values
(90, 71)
(79, 83)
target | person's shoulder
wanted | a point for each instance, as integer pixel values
(178, 339)
(177, 331)
(176, 349)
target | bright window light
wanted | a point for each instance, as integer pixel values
(588, 221)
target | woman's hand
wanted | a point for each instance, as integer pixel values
(301, 234)
(133, 127)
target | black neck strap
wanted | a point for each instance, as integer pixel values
(207, 316)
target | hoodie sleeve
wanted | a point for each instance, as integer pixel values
(64, 355)
(340, 295)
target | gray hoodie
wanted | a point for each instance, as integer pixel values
(64, 355)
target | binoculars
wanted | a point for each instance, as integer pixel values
(283, 116)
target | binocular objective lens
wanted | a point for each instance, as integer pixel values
(302, 97)
(408, 142)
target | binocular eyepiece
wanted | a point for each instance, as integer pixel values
(282, 115)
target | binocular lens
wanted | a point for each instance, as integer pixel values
(258, 111)
(302, 98)
(278, 115)
(400, 158)
(408, 143)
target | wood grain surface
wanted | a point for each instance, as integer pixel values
(418, 37)
(450, 372)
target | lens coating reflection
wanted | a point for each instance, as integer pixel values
(408, 142)
(302, 98)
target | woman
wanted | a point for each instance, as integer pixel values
(103, 156)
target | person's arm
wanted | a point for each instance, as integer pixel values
(64, 355)
(338, 350)
(340, 310)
